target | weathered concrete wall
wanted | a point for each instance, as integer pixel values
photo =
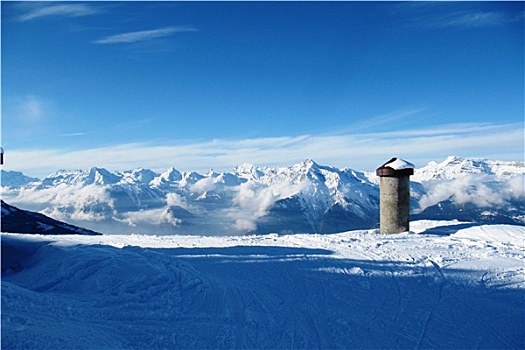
(394, 206)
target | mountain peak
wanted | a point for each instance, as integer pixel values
(191, 177)
(143, 175)
(248, 171)
(16, 178)
(172, 174)
(309, 163)
(453, 159)
(305, 166)
(101, 176)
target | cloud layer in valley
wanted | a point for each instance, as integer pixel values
(484, 191)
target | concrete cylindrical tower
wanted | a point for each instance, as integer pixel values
(394, 197)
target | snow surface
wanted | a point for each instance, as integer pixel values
(445, 284)
(400, 164)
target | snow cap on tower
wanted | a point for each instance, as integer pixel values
(396, 167)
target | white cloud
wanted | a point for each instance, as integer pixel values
(63, 202)
(245, 225)
(480, 189)
(26, 116)
(388, 118)
(357, 151)
(443, 14)
(149, 217)
(203, 185)
(30, 108)
(175, 199)
(72, 134)
(474, 19)
(253, 200)
(144, 35)
(66, 10)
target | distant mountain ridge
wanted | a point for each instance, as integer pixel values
(16, 178)
(15, 220)
(305, 197)
(455, 167)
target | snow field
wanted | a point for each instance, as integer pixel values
(443, 285)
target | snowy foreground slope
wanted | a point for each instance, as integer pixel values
(446, 284)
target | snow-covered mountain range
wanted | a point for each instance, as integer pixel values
(306, 197)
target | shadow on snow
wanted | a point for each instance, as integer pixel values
(244, 297)
(450, 230)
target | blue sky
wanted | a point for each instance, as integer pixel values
(200, 85)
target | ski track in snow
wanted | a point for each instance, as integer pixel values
(443, 285)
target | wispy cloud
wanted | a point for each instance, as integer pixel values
(132, 37)
(66, 10)
(358, 151)
(29, 108)
(474, 19)
(443, 14)
(388, 118)
(33, 108)
(72, 134)
(26, 116)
